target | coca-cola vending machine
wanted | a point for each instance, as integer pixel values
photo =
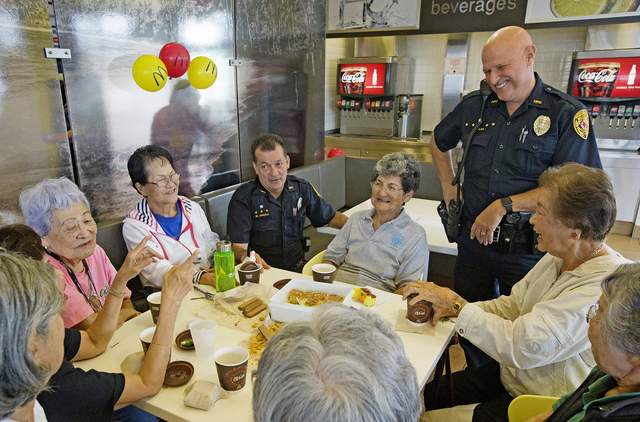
(607, 82)
(375, 97)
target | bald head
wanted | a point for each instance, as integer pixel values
(507, 62)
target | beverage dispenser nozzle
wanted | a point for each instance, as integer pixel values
(635, 115)
(627, 115)
(620, 114)
(612, 113)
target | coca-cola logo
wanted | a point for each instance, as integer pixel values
(352, 78)
(605, 75)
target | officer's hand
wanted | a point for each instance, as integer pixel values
(262, 262)
(450, 192)
(487, 222)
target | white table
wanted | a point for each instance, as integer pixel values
(423, 351)
(423, 212)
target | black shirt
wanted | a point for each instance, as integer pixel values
(274, 227)
(508, 153)
(76, 395)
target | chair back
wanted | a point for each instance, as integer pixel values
(527, 406)
(313, 261)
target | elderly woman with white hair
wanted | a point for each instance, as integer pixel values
(31, 335)
(383, 247)
(58, 211)
(309, 371)
(613, 386)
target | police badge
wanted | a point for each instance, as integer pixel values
(541, 125)
(581, 123)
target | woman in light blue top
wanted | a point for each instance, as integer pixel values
(383, 247)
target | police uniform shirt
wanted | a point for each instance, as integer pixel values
(274, 227)
(508, 153)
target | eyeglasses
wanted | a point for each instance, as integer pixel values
(391, 189)
(72, 227)
(591, 313)
(163, 183)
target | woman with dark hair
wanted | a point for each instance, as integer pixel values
(383, 247)
(177, 225)
(537, 335)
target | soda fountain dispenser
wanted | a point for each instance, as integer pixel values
(373, 99)
(606, 83)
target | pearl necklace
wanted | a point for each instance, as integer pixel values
(597, 251)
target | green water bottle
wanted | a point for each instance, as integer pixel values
(225, 266)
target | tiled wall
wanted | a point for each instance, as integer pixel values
(552, 62)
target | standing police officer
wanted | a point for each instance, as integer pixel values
(268, 213)
(526, 127)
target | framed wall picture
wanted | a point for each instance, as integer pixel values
(572, 10)
(372, 15)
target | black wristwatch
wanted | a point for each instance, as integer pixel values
(507, 203)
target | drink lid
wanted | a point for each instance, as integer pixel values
(223, 246)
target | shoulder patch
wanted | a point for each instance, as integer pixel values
(581, 123)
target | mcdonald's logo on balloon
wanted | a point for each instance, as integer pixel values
(150, 73)
(202, 72)
(176, 58)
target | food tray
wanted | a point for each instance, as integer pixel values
(283, 311)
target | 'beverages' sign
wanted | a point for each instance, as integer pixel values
(608, 78)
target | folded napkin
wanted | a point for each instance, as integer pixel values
(202, 394)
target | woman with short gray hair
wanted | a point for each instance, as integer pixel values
(383, 247)
(58, 211)
(31, 334)
(309, 371)
(614, 332)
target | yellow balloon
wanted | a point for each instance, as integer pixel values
(202, 72)
(150, 73)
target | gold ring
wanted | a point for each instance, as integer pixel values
(483, 233)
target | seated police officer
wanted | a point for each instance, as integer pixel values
(267, 214)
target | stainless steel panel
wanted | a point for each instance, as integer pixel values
(281, 82)
(603, 54)
(34, 139)
(381, 46)
(453, 85)
(623, 169)
(111, 116)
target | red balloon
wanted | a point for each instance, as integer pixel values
(333, 152)
(176, 58)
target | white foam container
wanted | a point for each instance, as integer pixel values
(283, 311)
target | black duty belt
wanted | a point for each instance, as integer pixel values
(514, 229)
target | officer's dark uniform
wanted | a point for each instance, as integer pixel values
(274, 227)
(506, 157)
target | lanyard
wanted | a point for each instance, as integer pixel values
(92, 299)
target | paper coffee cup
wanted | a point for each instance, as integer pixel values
(252, 276)
(146, 337)
(154, 300)
(419, 313)
(231, 364)
(324, 273)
